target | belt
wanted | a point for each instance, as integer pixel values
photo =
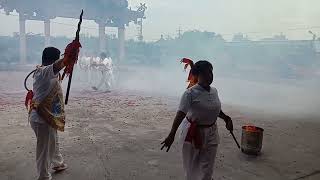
(205, 125)
(202, 125)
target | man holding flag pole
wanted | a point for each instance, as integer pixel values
(46, 107)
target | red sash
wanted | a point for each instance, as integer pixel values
(193, 135)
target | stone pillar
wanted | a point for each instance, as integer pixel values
(47, 32)
(23, 40)
(102, 38)
(121, 39)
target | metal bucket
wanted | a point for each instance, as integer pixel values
(251, 140)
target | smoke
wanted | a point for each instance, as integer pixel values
(170, 81)
(288, 97)
(281, 97)
(258, 83)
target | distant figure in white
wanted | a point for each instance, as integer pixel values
(104, 65)
(85, 66)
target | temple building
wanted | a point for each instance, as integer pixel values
(106, 13)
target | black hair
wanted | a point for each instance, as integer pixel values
(200, 67)
(50, 55)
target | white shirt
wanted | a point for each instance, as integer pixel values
(107, 62)
(200, 105)
(203, 107)
(43, 81)
(85, 62)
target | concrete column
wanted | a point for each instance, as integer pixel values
(23, 41)
(121, 39)
(47, 32)
(102, 38)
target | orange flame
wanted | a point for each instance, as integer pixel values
(251, 128)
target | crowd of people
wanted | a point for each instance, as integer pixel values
(97, 67)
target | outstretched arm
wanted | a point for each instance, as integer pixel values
(58, 65)
(176, 123)
(185, 104)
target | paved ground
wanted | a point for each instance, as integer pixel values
(117, 136)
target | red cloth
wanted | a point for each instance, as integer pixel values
(28, 99)
(193, 135)
(71, 56)
(191, 78)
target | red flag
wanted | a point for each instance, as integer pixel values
(192, 79)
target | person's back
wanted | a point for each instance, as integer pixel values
(198, 112)
(47, 112)
(44, 80)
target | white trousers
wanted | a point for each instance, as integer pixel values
(106, 80)
(48, 151)
(199, 163)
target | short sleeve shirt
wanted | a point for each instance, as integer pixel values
(43, 81)
(200, 105)
(203, 107)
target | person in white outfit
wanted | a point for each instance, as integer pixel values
(198, 112)
(85, 65)
(104, 65)
(47, 91)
